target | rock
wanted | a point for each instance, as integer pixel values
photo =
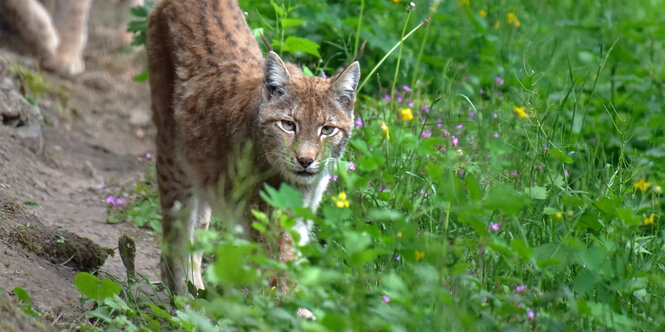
(16, 112)
(32, 137)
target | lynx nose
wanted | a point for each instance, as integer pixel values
(305, 161)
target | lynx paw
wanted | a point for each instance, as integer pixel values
(67, 66)
(305, 313)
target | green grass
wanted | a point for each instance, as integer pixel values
(469, 216)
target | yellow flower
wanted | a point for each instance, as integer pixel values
(558, 215)
(641, 185)
(341, 200)
(385, 129)
(517, 23)
(482, 13)
(399, 234)
(396, 1)
(462, 3)
(511, 18)
(520, 112)
(648, 220)
(657, 189)
(419, 255)
(497, 24)
(406, 114)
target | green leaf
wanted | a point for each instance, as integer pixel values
(539, 193)
(473, 187)
(22, 294)
(297, 44)
(142, 77)
(231, 267)
(503, 197)
(562, 157)
(306, 71)
(291, 22)
(287, 197)
(94, 288)
(521, 248)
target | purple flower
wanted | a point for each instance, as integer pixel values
(325, 245)
(340, 68)
(530, 313)
(423, 192)
(148, 156)
(494, 227)
(439, 124)
(520, 288)
(445, 132)
(334, 178)
(110, 200)
(455, 141)
(352, 166)
(119, 202)
(514, 172)
(496, 135)
(410, 104)
(427, 133)
(359, 122)
(485, 299)
(565, 172)
(499, 80)
(102, 186)
(323, 74)
(386, 299)
(115, 202)
(398, 258)
(425, 109)
(471, 115)
(482, 92)
(406, 88)
(399, 99)
(495, 115)
(459, 126)
(460, 172)
(386, 97)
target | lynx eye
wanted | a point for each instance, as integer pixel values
(328, 130)
(288, 126)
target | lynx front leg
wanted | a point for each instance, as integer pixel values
(71, 20)
(179, 263)
(33, 22)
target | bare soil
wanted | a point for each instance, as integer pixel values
(55, 155)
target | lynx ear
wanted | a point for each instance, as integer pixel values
(345, 84)
(275, 77)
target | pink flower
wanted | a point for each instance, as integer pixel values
(520, 288)
(439, 124)
(425, 108)
(110, 200)
(410, 104)
(495, 115)
(427, 133)
(352, 166)
(406, 88)
(386, 98)
(386, 299)
(399, 99)
(148, 156)
(398, 258)
(496, 135)
(514, 172)
(494, 227)
(445, 132)
(359, 122)
(423, 192)
(323, 74)
(102, 186)
(471, 115)
(455, 141)
(530, 313)
(460, 126)
(565, 172)
(499, 80)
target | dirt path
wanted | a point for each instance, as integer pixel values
(84, 131)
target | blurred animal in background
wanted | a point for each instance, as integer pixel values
(55, 31)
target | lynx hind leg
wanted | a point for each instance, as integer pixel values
(71, 20)
(33, 23)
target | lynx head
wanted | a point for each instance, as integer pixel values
(306, 121)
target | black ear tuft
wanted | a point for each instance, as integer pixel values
(346, 84)
(275, 76)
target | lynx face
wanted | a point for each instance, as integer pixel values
(306, 121)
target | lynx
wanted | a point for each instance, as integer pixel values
(56, 31)
(212, 93)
